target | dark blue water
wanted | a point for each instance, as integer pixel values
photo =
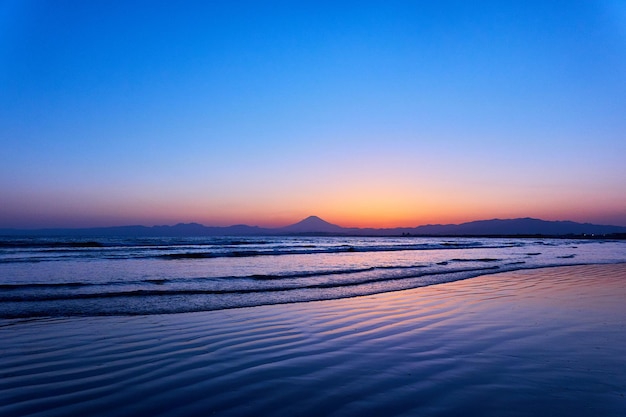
(107, 276)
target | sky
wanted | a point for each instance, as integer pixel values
(365, 113)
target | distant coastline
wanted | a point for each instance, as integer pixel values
(315, 226)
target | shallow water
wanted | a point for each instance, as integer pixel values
(108, 276)
(526, 343)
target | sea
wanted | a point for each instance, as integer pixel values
(60, 277)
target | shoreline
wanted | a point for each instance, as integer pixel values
(548, 341)
(7, 314)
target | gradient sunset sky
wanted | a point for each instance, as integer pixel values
(389, 113)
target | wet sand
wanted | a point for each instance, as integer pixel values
(539, 342)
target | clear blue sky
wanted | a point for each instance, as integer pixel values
(385, 113)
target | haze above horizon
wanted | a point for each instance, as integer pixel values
(369, 114)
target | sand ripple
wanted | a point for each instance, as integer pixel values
(542, 342)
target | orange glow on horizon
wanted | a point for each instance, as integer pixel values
(370, 204)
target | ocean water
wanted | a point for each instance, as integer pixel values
(54, 277)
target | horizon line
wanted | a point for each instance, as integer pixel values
(297, 222)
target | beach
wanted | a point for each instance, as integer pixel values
(548, 341)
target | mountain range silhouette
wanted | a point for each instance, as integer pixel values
(314, 225)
